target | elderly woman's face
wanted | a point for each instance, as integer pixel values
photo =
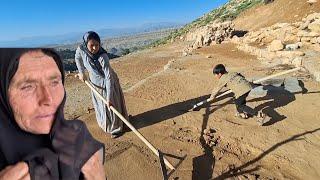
(93, 46)
(35, 92)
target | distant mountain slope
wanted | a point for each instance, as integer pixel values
(117, 46)
(77, 36)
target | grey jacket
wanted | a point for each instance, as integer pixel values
(232, 80)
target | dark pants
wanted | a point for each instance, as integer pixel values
(241, 105)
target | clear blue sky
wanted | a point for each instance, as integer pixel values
(27, 18)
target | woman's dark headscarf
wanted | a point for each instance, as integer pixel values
(58, 155)
(91, 35)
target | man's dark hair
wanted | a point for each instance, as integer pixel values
(219, 69)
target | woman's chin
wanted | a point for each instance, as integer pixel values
(41, 129)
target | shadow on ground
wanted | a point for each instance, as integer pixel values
(164, 113)
(241, 170)
(167, 112)
(276, 97)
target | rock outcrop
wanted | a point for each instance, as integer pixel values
(285, 43)
(213, 33)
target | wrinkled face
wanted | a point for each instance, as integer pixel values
(35, 92)
(93, 46)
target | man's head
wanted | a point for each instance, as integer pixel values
(35, 92)
(219, 70)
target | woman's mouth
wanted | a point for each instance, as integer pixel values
(45, 117)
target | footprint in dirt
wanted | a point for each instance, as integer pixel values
(184, 135)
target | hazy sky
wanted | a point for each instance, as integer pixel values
(26, 18)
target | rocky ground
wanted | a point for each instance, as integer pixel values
(161, 86)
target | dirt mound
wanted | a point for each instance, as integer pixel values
(279, 11)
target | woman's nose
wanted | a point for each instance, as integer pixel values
(44, 95)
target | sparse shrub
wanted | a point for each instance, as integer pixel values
(229, 11)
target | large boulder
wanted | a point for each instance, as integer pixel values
(304, 25)
(276, 45)
(312, 34)
(215, 32)
(297, 61)
(291, 84)
(199, 42)
(306, 39)
(315, 26)
(312, 17)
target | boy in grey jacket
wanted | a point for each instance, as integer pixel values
(241, 88)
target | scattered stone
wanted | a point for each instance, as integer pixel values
(293, 47)
(206, 131)
(314, 27)
(286, 60)
(276, 45)
(273, 82)
(305, 39)
(209, 137)
(209, 56)
(313, 34)
(297, 62)
(291, 84)
(89, 110)
(184, 53)
(258, 92)
(312, 17)
(311, 2)
(304, 25)
(302, 33)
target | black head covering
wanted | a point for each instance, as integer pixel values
(58, 155)
(88, 36)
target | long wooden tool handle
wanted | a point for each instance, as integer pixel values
(153, 149)
(256, 81)
(276, 75)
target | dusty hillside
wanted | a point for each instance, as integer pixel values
(160, 87)
(286, 148)
(279, 11)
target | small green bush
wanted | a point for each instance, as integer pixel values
(228, 11)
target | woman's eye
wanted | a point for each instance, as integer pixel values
(55, 82)
(26, 87)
